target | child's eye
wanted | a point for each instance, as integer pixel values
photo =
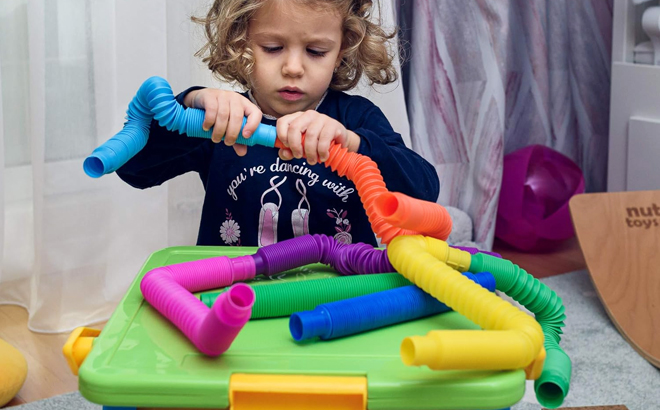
(271, 49)
(316, 53)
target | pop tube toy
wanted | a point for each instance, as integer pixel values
(168, 288)
(513, 340)
(551, 386)
(391, 215)
(372, 311)
(518, 340)
(154, 100)
(283, 299)
(474, 251)
(347, 260)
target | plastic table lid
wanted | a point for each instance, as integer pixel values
(141, 359)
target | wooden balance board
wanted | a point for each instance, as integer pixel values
(619, 233)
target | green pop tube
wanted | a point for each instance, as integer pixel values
(552, 386)
(307, 294)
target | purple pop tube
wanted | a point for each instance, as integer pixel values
(346, 259)
(474, 251)
(168, 289)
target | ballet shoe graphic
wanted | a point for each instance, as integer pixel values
(300, 216)
(269, 215)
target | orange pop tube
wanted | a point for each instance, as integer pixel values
(408, 213)
(513, 339)
(370, 187)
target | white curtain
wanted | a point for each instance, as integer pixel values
(70, 245)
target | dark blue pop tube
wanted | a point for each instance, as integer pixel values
(155, 100)
(363, 313)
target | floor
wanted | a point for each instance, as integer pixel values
(49, 375)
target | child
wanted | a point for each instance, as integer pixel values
(295, 57)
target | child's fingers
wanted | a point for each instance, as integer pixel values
(234, 124)
(327, 136)
(282, 126)
(210, 108)
(312, 140)
(294, 136)
(297, 128)
(253, 114)
(221, 120)
(285, 154)
(240, 149)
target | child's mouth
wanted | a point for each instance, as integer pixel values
(290, 95)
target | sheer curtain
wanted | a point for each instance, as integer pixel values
(70, 245)
(486, 78)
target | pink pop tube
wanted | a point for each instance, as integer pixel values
(168, 289)
(227, 317)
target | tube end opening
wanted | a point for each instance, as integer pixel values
(386, 204)
(241, 296)
(296, 327)
(408, 351)
(550, 394)
(310, 324)
(93, 167)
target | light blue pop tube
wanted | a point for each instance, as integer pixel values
(363, 313)
(155, 100)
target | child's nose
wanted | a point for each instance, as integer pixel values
(293, 65)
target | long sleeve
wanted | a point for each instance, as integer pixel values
(403, 169)
(259, 199)
(166, 155)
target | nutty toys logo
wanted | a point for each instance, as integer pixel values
(643, 217)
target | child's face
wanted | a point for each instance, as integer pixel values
(296, 50)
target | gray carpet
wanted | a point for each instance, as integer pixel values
(606, 370)
(69, 401)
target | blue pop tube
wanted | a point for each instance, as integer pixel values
(155, 100)
(363, 313)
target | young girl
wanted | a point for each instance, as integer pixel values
(295, 58)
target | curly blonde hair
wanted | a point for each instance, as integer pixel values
(365, 51)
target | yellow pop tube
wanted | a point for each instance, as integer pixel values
(512, 339)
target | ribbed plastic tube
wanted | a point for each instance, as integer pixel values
(347, 259)
(372, 311)
(474, 251)
(168, 289)
(553, 384)
(155, 100)
(407, 213)
(370, 186)
(283, 299)
(126, 143)
(512, 340)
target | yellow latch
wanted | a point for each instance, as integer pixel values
(78, 346)
(275, 392)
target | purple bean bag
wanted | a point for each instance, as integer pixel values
(533, 213)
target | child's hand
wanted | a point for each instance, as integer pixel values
(320, 131)
(224, 112)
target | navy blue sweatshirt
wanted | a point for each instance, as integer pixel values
(259, 199)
